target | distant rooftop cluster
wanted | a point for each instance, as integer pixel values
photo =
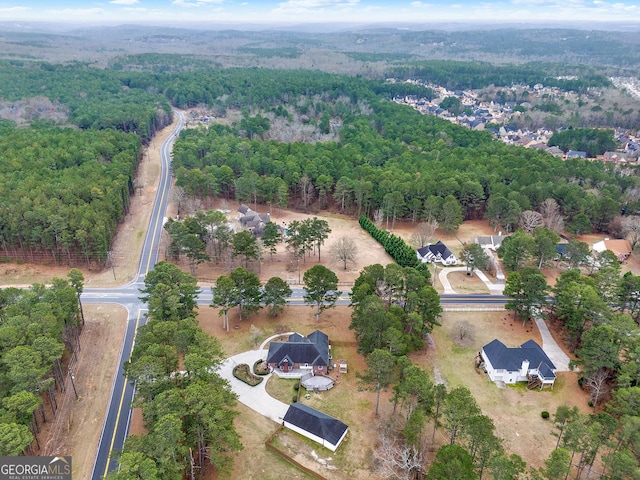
(496, 117)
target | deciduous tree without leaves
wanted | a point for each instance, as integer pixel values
(344, 251)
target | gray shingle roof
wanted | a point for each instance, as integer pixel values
(510, 359)
(313, 349)
(315, 422)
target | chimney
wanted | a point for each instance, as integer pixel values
(525, 368)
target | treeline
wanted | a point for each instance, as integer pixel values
(406, 165)
(474, 75)
(384, 158)
(96, 98)
(403, 254)
(598, 310)
(63, 192)
(39, 338)
(186, 405)
(394, 309)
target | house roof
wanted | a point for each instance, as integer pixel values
(617, 246)
(315, 422)
(243, 209)
(490, 240)
(561, 249)
(312, 349)
(436, 249)
(510, 359)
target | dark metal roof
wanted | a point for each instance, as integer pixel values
(315, 422)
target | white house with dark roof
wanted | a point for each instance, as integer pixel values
(436, 252)
(492, 242)
(315, 425)
(520, 364)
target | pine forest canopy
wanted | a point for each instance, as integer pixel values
(368, 154)
(63, 191)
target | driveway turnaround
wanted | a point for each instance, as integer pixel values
(256, 398)
(494, 288)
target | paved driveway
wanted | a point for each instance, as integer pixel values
(256, 398)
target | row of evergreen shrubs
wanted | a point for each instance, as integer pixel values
(403, 254)
(243, 373)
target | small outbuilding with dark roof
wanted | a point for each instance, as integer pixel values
(315, 425)
(520, 364)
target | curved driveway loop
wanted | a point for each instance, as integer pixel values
(256, 398)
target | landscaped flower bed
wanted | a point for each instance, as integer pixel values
(261, 368)
(242, 373)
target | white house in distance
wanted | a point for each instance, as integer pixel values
(319, 427)
(436, 252)
(620, 248)
(491, 242)
(526, 363)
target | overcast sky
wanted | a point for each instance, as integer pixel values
(305, 11)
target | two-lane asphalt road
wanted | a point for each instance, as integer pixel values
(116, 423)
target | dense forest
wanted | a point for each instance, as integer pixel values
(63, 192)
(408, 165)
(312, 141)
(39, 334)
(361, 153)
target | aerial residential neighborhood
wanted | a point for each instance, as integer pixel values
(498, 118)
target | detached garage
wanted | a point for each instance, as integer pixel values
(319, 427)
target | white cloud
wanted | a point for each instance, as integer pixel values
(77, 12)
(316, 10)
(319, 3)
(14, 9)
(196, 3)
(124, 2)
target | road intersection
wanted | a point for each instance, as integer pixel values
(118, 416)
